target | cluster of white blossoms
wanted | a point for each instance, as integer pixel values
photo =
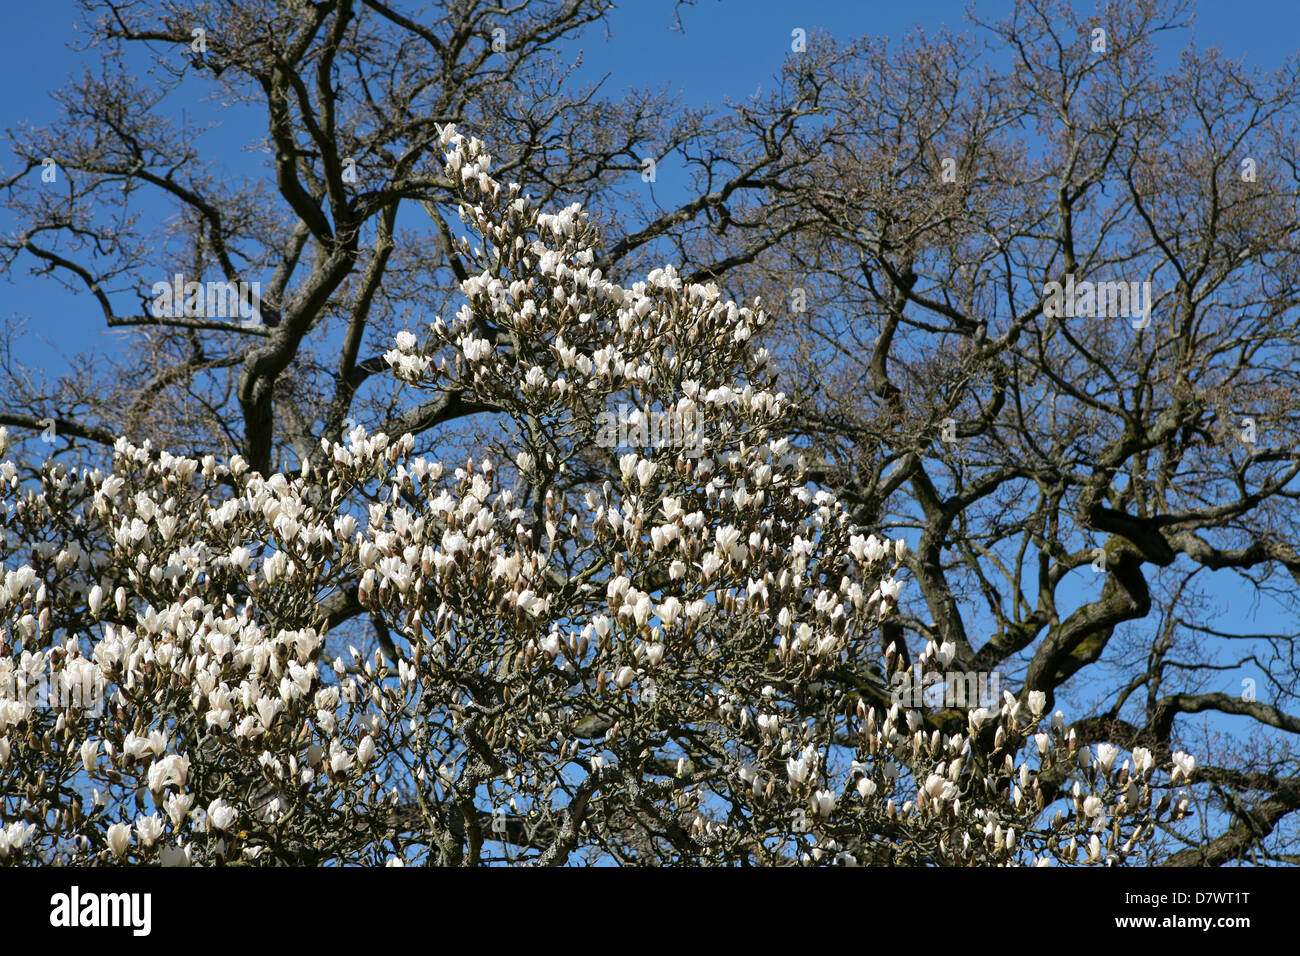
(663, 657)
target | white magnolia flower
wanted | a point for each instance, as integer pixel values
(169, 771)
(822, 803)
(89, 751)
(178, 806)
(1094, 849)
(149, 829)
(799, 769)
(340, 760)
(1106, 754)
(668, 611)
(1143, 761)
(15, 836)
(627, 466)
(365, 750)
(709, 565)
(221, 814)
(475, 349)
(938, 787)
(1184, 764)
(641, 610)
(175, 855)
(137, 748)
(119, 839)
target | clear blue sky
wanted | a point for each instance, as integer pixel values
(727, 49)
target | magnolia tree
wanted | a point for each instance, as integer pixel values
(628, 662)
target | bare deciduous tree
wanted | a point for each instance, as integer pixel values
(1094, 471)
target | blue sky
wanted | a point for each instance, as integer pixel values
(726, 49)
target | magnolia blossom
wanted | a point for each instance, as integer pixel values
(366, 750)
(1184, 765)
(175, 856)
(177, 806)
(340, 760)
(15, 837)
(88, 751)
(822, 803)
(168, 771)
(149, 829)
(119, 839)
(691, 606)
(1143, 761)
(799, 769)
(221, 814)
(1106, 754)
(669, 611)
